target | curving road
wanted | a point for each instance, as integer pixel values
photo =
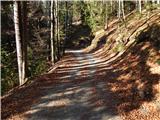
(80, 98)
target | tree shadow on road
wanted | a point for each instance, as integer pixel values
(109, 92)
(90, 91)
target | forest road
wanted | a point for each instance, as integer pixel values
(80, 98)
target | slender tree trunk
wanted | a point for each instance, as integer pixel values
(71, 17)
(24, 39)
(58, 37)
(140, 6)
(52, 33)
(111, 2)
(106, 19)
(66, 25)
(18, 38)
(122, 2)
(119, 9)
(49, 40)
(55, 29)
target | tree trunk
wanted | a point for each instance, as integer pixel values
(58, 37)
(66, 25)
(18, 38)
(140, 8)
(55, 29)
(119, 9)
(111, 2)
(106, 19)
(122, 2)
(53, 59)
(24, 39)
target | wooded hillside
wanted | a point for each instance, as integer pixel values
(80, 60)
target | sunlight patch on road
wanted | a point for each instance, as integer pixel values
(52, 95)
(68, 92)
(32, 111)
(58, 103)
(109, 117)
(53, 103)
(65, 77)
(99, 108)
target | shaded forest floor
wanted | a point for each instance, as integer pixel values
(105, 83)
